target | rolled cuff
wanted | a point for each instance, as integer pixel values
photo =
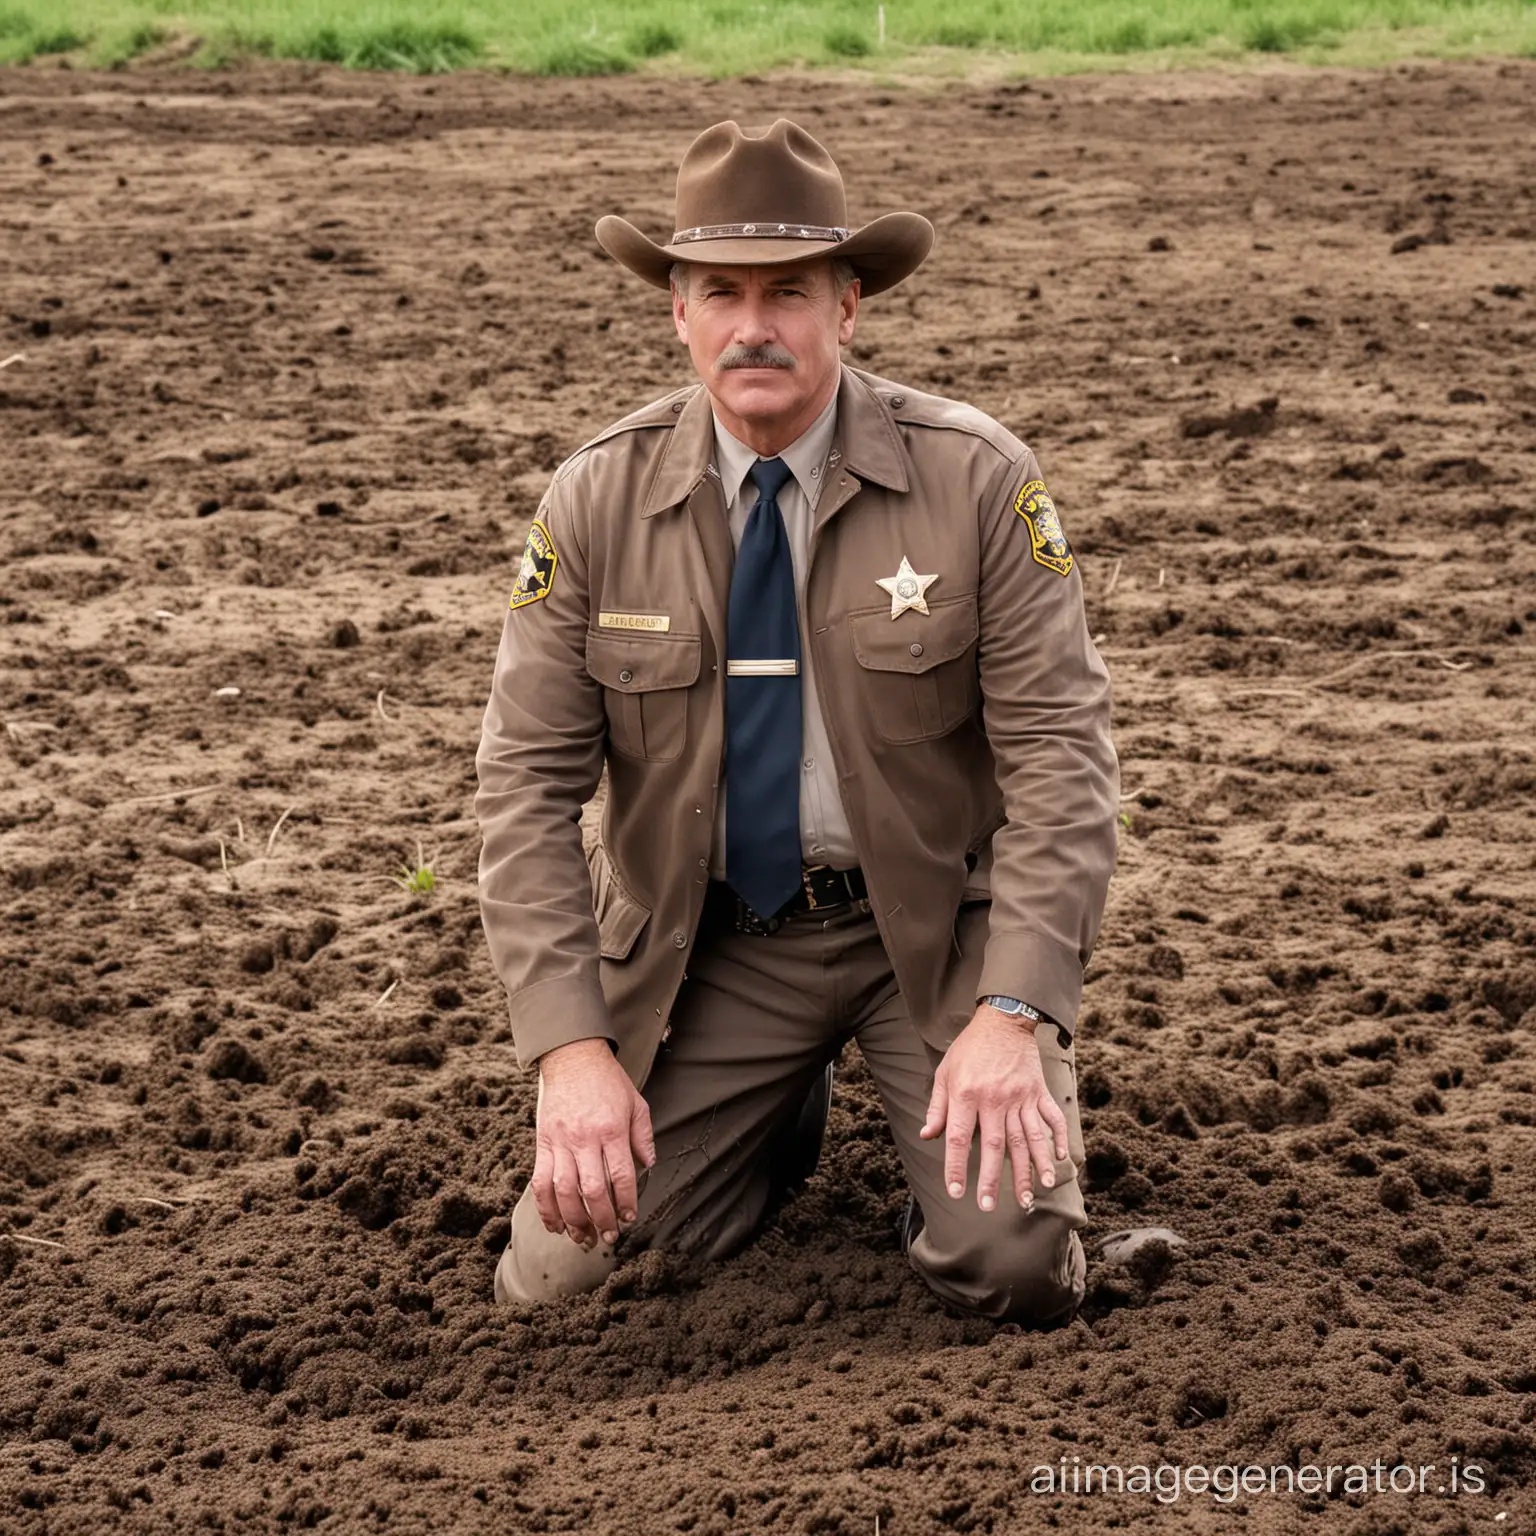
(559, 1012)
(1041, 972)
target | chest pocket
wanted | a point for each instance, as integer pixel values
(646, 678)
(920, 672)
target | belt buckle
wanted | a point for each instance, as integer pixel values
(811, 904)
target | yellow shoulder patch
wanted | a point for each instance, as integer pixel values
(1035, 506)
(536, 575)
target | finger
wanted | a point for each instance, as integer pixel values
(593, 1173)
(641, 1137)
(1050, 1112)
(543, 1186)
(957, 1144)
(938, 1107)
(1018, 1157)
(573, 1212)
(621, 1178)
(1039, 1138)
(993, 1143)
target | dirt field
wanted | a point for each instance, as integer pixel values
(299, 353)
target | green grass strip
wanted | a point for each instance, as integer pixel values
(732, 37)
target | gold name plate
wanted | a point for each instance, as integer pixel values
(659, 622)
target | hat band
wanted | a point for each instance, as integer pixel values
(760, 232)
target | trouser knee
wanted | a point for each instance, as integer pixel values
(1035, 1277)
(536, 1265)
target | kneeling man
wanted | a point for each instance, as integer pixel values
(826, 634)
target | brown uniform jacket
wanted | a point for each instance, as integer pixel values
(971, 744)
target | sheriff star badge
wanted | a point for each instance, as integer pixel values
(907, 589)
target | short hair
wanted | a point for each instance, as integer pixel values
(842, 275)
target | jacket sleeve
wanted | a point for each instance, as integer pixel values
(1046, 702)
(539, 762)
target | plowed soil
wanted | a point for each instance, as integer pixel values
(299, 352)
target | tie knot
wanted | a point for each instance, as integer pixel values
(769, 475)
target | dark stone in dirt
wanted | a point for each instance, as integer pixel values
(1197, 1403)
(317, 936)
(230, 1059)
(461, 1215)
(315, 1094)
(414, 1051)
(258, 959)
(1251, 421)
(1131, 1191)
(344, 636)
(1107, 1160)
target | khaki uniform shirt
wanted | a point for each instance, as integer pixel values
(825, 836)
(970, 742)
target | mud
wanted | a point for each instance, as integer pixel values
(299, 353)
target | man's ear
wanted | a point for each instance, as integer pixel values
(680, 314)
(848, 304)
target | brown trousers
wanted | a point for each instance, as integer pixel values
(757, 1020)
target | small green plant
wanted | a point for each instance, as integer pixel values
(1127, 36)
(581, 59)
(418, 880)
(1124, 819)
(324, 46)
(60, 41)
(653, 39)
(963, 34)
(847, 43)
(424, 50)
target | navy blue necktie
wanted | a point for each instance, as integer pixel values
(762, 707)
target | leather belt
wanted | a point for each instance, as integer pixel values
(823, 890)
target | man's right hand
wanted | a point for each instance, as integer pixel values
(590, 1118)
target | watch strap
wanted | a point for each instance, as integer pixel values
(1015, 1008)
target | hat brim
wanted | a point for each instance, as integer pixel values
(883, 253)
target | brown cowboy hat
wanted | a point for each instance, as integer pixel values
(760, 199)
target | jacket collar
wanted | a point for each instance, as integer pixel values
(866, 437)
(871, 447)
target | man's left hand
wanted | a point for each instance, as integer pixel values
(991, 1079)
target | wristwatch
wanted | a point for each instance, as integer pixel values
(1016, 1009)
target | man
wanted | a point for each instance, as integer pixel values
(826, 635)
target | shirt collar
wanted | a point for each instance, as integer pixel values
(806, 456)
(870, 446)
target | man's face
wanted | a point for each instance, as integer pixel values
(765, 342)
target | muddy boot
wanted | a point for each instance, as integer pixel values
(1123, 1247)
(794, 1150)
(910, 1225)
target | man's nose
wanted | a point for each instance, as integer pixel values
(753, 326)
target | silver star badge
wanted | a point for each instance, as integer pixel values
(907, 589)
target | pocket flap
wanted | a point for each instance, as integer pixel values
(620, 918)
(884, 644)
(642, 663)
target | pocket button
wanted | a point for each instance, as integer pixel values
(917, 648)
(626, 676)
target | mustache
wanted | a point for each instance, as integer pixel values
(756, 357)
